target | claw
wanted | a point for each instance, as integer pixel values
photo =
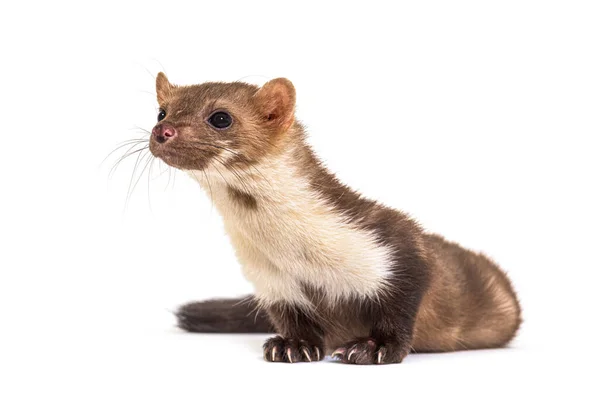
(379, 357)
(273, 353)
(318, 353)
(352, 352)
(306, 354)
(289, 355)
(338, 353)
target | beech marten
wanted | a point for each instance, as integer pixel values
(334, 272)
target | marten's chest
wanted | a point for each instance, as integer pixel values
(287, 242)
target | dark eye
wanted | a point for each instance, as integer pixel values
(220, 120)
(161, 115)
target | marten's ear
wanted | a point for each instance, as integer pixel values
(276, 101)
(163, 87)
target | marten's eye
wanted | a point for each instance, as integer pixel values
(161, 115)
(220, 120)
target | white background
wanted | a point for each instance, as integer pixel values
(480, 119)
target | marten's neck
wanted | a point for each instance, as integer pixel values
(287, 177)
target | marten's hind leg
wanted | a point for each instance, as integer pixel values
(496, 316)
(470, 303)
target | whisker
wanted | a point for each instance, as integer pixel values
(141, 139)
(135, 127)
(212, 200)
(259, 173)
(169, 179)
(241, 179)
(135, 167)
(218, 147)
(121, 145)
(236, 174)
(148, 158)
(149, 177)
(148, 92)
(162, 166)
(128, 153)
(209, 187)
(236, 154)
(224, 180)
(161, 65)
(162, 169)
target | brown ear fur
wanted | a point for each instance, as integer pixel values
(163, 87)
(276, 101)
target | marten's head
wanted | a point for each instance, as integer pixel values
(229, 124)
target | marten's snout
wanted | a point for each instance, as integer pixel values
(163, 132)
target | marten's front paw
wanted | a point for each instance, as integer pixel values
(279, 349)
(367, 351)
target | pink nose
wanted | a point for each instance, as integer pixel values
(163, 132)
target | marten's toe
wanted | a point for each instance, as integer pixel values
(279, 349)
(367, 351)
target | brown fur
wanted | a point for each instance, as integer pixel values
(437, 296)
(245, 200)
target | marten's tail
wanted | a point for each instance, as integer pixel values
(240, 315)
